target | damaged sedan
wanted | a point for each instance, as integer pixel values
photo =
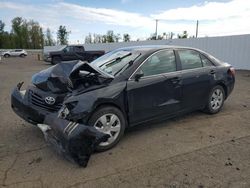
(126, 87)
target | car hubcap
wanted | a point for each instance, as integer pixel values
(216, 99)
(109, 124)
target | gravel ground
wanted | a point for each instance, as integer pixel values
(195, 150)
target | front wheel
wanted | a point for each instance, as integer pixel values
(111, 121)
(215, 100)
(6, 55)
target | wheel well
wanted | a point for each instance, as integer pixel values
(224, 87)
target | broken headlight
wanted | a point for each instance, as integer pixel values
(65, 110)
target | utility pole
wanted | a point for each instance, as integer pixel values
(197, 26)
(156, 25)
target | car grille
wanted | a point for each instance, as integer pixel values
(38, 101)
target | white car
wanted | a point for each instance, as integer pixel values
(20, 53)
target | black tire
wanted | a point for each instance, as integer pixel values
(22, 55)
(6, 55)
(215, 107)
(55, 60)
(102, 111)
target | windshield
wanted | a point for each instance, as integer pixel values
(115, 62)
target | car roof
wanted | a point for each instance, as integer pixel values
(154, 47)
(80, 45)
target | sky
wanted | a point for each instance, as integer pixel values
(136, 17)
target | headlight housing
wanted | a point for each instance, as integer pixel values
(65, 110)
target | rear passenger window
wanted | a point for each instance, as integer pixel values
(159, 63)
(206, 62)
(189, 59)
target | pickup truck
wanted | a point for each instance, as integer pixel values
(73, 52)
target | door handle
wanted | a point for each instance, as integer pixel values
(176, 80)
(212, 71)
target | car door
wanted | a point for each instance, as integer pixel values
(158, 92)
(12, 53)
(68, 53)
(195, 79)
(80, 53)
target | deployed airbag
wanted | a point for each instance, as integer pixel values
(76, 142)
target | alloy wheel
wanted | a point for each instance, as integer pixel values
(216, 99)
(108, 124)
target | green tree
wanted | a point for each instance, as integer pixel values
(110, 36)
(126, 37)
(17, 31)
(171, 35)
(2, 35)
(88, 39)
(35, 35)
(48, 38)
(104, 38)
(62, 35)
(152, 37)
(97, 38)
(184, 35)
(2, 25)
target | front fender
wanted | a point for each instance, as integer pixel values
(86, 103)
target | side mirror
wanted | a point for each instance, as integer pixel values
(138, 76)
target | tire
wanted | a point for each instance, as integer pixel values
(22, 55)
(215, 100)
(6, 55)
(55, 60)
(101, 119)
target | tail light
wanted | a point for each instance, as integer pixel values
(231, 71)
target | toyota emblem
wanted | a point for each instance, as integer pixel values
(50, 100)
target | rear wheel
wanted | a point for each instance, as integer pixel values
(6, 55)
(108, 120)
(215, 100)
(22, 55)
(55, 60)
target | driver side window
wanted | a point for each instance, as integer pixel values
(69, 49)
(159, 63)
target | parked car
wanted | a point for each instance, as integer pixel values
(18, 52)
(72, 52)
(127, 87)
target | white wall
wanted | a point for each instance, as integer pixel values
(232, 49)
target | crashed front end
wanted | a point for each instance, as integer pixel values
(30, 104)
(42, 100)
(76, 142)
(44, 95)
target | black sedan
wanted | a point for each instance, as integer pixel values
(126, 87)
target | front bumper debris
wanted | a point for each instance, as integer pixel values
(76, 142)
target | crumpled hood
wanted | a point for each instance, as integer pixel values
(57, 78)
